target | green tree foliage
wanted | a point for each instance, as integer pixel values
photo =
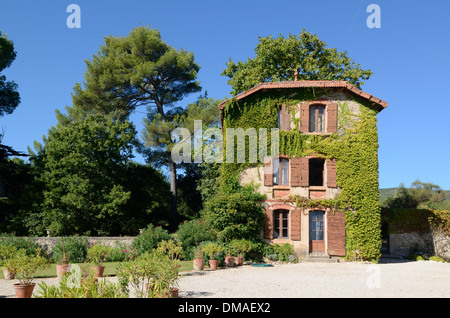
(84, 170)
(236, 212)
(421, 195)
(276, 59)
(149, 197)
(9, 96)
(193, 232)
(149, 239)
(158, 139)
(137, 70)
(9, 100)
(20, 211)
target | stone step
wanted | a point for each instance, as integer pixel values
(320, 258)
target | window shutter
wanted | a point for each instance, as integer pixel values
(332, 117)
(304, 117)
(336, 233)
(304, 172)
(268, 172)
(296, 172)
(295, 224)
(268, 224)
(331, 173)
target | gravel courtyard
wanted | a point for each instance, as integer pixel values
(310, 280)
(326, 280)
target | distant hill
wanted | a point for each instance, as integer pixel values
(390, 192)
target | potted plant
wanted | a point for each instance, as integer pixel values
(25, 267)
(98, 254)
(6, 253)
(241, 247)
(212, 249)
(137, 274)
(63, 267)
(164, 279)
(229, 259)
(199, 261)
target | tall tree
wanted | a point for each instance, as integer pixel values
(277, 59)
(157, 133)
(9, 96)
(84, 171)
(9, 99)
(137, 70)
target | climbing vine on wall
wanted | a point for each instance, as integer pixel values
(356, 152)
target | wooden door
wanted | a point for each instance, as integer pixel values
(316, 241)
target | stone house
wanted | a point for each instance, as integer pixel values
(312, 176)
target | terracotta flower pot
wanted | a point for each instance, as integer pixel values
(213, 263)
(7, 274)
(98, 271)
(229, 261)
(62, 270)
(24, 291)
(199, 264)
(239, 260)
(174, 292)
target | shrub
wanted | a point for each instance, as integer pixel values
(170, 249)
(90, 288)
(236, 214)
(415, 257)
(212, 249)
(74, 246)
(436, 259)
(6, 253)
(25, 266)
(191, 233)
(241, 247)
(121, 252)
(283, 252)
(26, 243)
(258, 250)
(98, 254)
(150, 274)
(149, 239)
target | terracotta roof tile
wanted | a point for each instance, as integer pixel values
(299, 84)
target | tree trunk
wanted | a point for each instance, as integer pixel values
(2, 188)
(173, 190)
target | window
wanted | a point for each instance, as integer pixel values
(316, 118)
(316, 168)
(280, 171)
(280, 223)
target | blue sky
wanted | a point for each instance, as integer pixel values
(409, 56)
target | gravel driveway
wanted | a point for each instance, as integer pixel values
(307, 280)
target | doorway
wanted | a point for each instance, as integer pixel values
(316, 240)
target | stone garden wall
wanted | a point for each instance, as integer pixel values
(435, 243)
(49, 242)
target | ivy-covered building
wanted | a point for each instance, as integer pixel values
(322, 186)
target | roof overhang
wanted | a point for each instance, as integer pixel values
(380, 104)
